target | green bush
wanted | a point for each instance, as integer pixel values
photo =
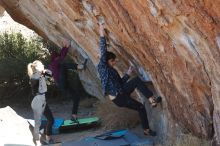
(16, 52)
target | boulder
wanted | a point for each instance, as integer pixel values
(14, 129)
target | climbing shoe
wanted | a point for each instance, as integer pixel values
(150, 133)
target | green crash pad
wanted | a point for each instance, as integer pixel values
(83, 123)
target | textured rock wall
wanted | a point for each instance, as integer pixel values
(176, 42)
(1, 11)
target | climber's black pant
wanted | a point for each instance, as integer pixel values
(63, 78)
(50, 120)
(64, 84)
(76, 100)
(124, 100)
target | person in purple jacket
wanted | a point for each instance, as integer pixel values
(59, 71)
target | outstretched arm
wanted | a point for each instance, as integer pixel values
(102, 43)
(102, 66)
(64, 50)
(127, 75)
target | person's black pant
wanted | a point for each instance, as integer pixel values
(76, 100)
(50, 120)
(63, 78)
(65, 87)
(124, 100)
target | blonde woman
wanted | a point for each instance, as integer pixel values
(38, 76)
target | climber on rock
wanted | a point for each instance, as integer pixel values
(60, 74)
(119, 89)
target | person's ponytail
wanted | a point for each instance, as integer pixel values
(30, 69)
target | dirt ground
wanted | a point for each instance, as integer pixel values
(62, 109)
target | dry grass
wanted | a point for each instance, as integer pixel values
(114, 117)
(186, 140)
(190, 140)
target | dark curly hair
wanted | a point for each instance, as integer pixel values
(110, 55)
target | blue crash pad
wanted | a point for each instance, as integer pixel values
(112, 138)
(56, 126)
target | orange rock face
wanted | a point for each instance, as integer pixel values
(176, 42)
(1, 11)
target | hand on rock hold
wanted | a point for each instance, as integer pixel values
(80, 67)
(101, 28)
(130, 70)
(66, 43)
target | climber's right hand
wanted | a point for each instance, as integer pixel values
(66, 43)
(101, 28)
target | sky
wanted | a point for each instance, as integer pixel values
(9, 25)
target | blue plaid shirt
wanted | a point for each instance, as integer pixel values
(112, 83)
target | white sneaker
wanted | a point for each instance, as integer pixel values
(38, 143)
